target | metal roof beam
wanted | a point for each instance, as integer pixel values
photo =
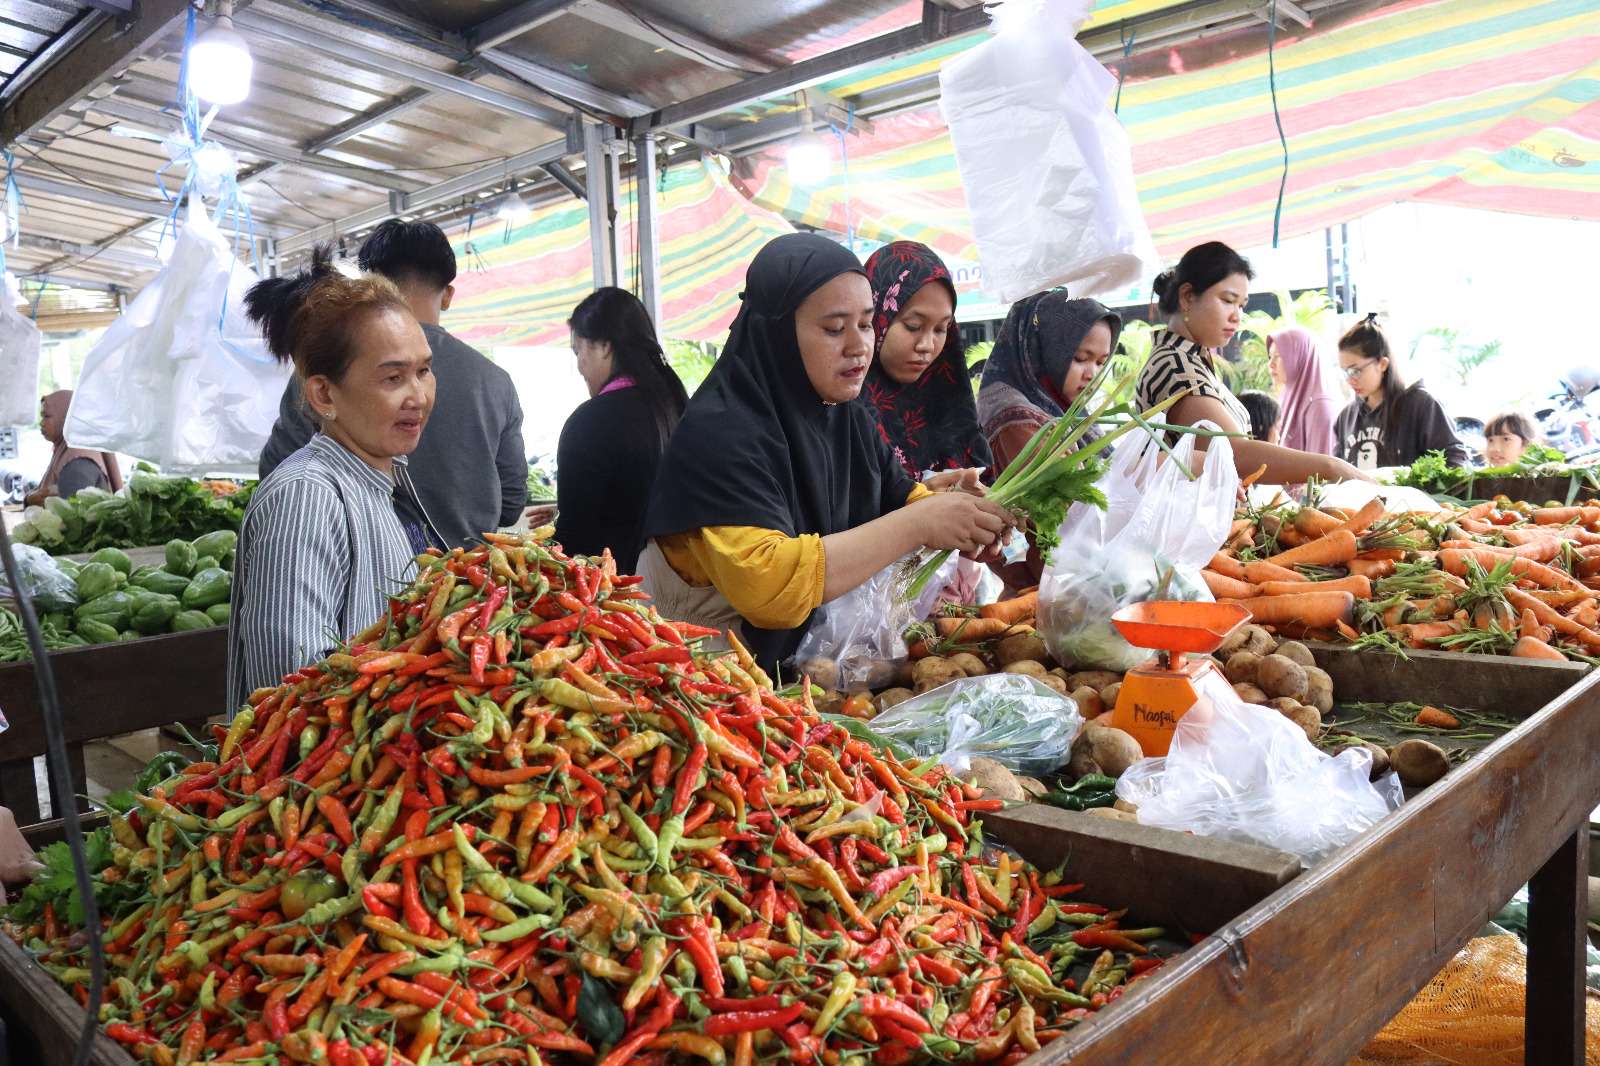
(67, 74)
(370, 120)
(514, 22)
(162, 122)
(583, 93)
(660, 32)
(109, 256)
(383, 63)
(938, 24)
(133, 205)
(70, 282)
(461, 185)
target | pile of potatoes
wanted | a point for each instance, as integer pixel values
(1094, 691)
(1278, 674)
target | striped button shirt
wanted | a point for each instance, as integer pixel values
(1176, 364)
(320, 550)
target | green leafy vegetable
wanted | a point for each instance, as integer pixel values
(155, 510)
(56, 884)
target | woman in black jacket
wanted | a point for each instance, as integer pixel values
(611, 445)
(1389, 423)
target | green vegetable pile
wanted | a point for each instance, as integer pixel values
(14, 641)
(541, 483)
(1433, 474)
(156, 509)
(190, 590)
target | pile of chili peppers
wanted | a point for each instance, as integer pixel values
(524, 816)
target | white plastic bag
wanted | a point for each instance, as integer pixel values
(857, 641)
(1237, 771)
(1158, 531)
(19, 360)
(1045, 162)
(168, 383)
(1016, 720)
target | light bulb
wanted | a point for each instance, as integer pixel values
(809, 161)
(220, 64)
(513, 209)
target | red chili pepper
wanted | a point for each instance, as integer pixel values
(1144, 965)
(124, 1033)
(480, 658)
(884, 882)
(1107, 938)
(701, 946)
(688, 775)
(728, 1023)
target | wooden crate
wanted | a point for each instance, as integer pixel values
(1496, 683)
(1536, 490)
(42, 1020)
(107, 690)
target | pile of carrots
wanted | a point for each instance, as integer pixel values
(1497, 577)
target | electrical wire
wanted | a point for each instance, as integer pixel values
(61, 776)
(1277, 117)
(293, 202)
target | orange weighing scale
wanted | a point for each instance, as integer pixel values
(1156, 694)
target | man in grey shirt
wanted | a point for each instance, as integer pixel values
(469, 469)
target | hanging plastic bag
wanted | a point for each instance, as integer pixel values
(1158, 531)
(1237, 771)
(857, 641)
(1045, 162)
(1016, 720)
(50, 587)
(182, 379)
(19, 360)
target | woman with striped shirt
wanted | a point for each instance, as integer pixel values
(322, 545)
(1203, 298)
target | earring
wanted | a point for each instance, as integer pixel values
(330, 416)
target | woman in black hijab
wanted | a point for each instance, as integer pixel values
(776, 493)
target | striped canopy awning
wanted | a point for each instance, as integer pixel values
(519, 286)
(1476, 103)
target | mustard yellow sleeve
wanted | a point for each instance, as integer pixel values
(918, 491)
(774, 581)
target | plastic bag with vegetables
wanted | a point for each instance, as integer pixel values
(51, 588)
(1158, 531)
(856, 640)
(1014, 719)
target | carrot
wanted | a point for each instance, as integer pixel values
(1349, 632)
(1372, 568)
(1259, 571)
(1251, 478)
(1227, 566)
(1454, 561)
(1435, 717)
(1369, 513)
(1358, 586)
(1381, 555)
(1478, 510)
(1561, 516)
(1334, 549)
(1018, 609)
(972, 629)
(1314, 523)
(1551, 617)
(1534, 648)
(1223, 585)
(1322, 610)
(1528, 626)
(1421, 634)
(1563, 598)
(1541, 550)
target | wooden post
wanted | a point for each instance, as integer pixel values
(1558, 906)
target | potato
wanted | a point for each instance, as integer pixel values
(1418, 762)
(1277, 676)
(1250, 694)
(1019, 647)
(1319, 689)
(830, 702)
(1064, 674)
(1055, 683)
(1283, 704)
(822, 672)
(1030, 667)
(1032, 786)
(1251, 638)
(892, 697)
(995, 780)
(1101, 749)
(935, 669)
(1089, 702)
(1112, 813)
(1095, 679)
(929, 684)
(1124, 805)
(1296, 652)
(1380, 759)
(1306, 718)
(1241, 667)
(1109, 694)
(969, 663)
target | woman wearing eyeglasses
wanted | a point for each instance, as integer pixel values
(1389, 423)
(1203, 298)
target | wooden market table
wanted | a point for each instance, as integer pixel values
(1310, 965)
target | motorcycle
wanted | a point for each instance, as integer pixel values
(1572, 421)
